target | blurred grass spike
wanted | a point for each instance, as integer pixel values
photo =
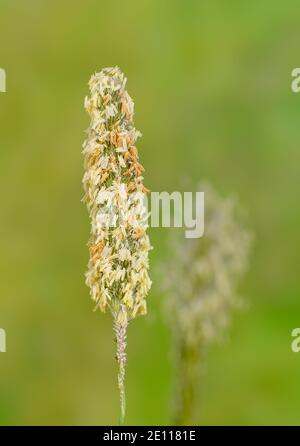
(118, 266)
(201, 282)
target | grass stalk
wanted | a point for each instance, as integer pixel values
(120, 331)
(186, 385)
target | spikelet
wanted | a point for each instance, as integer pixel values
(202, 288)
(113, 183)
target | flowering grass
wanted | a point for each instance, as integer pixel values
(113, 183)
(202, 280)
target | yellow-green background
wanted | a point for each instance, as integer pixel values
(211, 83)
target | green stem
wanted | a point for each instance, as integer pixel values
(187, 383)
(120, 334)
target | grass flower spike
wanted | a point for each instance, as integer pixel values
(202, 284)
(113, 183)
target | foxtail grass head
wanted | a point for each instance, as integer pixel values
(202, 282)
(118, 266)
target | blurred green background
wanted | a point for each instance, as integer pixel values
(211, 83)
